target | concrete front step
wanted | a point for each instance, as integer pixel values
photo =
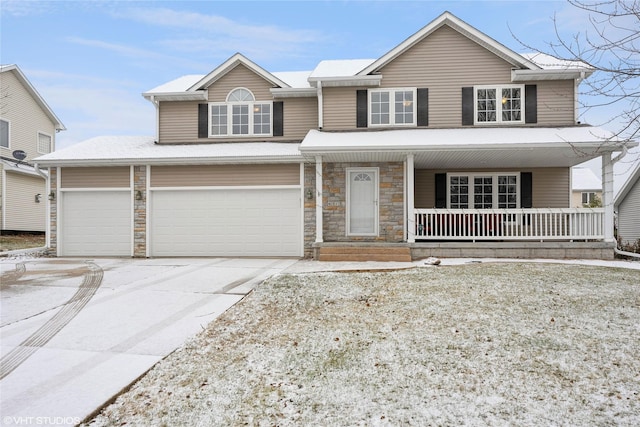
(364, 253)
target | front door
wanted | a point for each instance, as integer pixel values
(362, 202)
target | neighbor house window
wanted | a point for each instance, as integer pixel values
(483, 191)
(4, 133)
(588, 197)
(499, 104)
(240, 115)
(44, 143)
(389, 107)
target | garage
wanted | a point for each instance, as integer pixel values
(96, 223)
(226, 222)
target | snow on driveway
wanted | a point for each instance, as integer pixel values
(59, 368)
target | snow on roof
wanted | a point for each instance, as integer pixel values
(340, 68)
(450, 138)
(121, 150)
(548, 62)
(585, 179)
(180, 84)
(295, 79)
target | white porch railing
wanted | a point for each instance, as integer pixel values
(509, 224)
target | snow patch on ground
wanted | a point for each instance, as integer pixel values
(468, 344)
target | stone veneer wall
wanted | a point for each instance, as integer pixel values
(140, 211)
(53, 210)
(391, 202)
(309, 209)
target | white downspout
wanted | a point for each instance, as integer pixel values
(576, 110)
(320, 108)
(607, 191)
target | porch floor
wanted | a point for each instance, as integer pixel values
(405, 252)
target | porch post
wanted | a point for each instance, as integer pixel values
(319, 224)
(411, 220)
(607, 196)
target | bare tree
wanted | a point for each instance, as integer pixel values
(610, 45)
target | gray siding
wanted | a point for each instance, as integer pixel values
(550, 186)
(179, 119)
(225, 175)
(444, 62)
(100, 177)
(629, 216)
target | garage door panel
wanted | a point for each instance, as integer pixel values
(96, 223)
(235, 222)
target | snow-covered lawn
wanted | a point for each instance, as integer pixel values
(475, 344)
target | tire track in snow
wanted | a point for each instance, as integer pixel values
(90, 284)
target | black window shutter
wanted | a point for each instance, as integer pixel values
(278, 118)
(423, 107)
(531, 104)
(526, 190)
(441, 190)
(467, 106)
(361, 108)
(203, 120)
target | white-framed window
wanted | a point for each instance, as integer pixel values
(498, 104)
(240, 115)
(392, 107)
(4, 133)
(498, 190)
(588, 197)
(44, 143)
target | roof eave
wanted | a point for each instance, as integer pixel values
(200, 95)
(540, 75)
(348, 81)
(170, 161)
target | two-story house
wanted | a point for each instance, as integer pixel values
(28, 128)
(450, 144)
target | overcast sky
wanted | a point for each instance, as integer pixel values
(91, 60)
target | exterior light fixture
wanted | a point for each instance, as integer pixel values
(138, 195)
(52, 196)
(309, 194)
(38, 197)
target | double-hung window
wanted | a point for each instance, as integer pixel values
(392, 107)
(240, 115)
(499, 104)
(483, 191)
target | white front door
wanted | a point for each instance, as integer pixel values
(362, 202)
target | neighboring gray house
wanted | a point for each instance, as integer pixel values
(627, 204)
(28, 129)
(585, 187)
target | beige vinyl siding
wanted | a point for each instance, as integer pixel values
(179, 119)
(101, 177)
(240, 76)
(25, 118)
(576, 197)
(550, 186)
(628, 217)
(556, 102)
(225, 175)
(445, 62)
(21, 210)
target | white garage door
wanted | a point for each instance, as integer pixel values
(96, 223)
(238, 222)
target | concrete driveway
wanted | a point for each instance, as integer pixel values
(75, 332)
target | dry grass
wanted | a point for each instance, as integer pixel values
(477, 344)
(11, 242)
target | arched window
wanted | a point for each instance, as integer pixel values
(240, 115)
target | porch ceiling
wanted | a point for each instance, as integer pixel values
(466, 148)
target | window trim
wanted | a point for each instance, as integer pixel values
(229, 113)
(591, 195)
(494, 183)
(38, 142)
(499, 120)
(8, 122)
(392, 118)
